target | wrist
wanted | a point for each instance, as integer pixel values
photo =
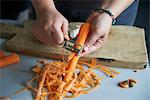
(107, 13)
(107, 17)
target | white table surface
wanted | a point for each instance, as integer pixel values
(13, 78)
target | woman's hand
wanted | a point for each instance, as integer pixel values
(51, 27)
(100, 27)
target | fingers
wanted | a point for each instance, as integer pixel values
(51, 28)
(57, 32)
(96, 34)
(100, 26)
(94, 46)
(65, 26)
(99, 42)
(60, 31)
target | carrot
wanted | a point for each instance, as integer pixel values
(83, 33)
(10, 59)
(71, 56)
(72, 64)
(2, 54)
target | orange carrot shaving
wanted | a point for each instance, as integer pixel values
(100, 65)
(85, 63)
(37, 69)
(110, 72)
(93, 62)
(10, 59)
(54, 85)
(41, 84)
(107, 72)
(23, 89)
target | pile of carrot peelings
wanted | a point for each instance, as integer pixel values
(59, 79)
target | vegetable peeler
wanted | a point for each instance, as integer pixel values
(71, 46)
(76, 43)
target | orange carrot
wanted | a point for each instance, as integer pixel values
(83, 33)
(10, 59)
(71, 56)
(2, 54)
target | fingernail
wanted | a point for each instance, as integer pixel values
(68, 38)
(85, 48)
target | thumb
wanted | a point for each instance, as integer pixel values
(65, 29)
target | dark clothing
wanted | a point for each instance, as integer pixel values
(77, 10)
(10, 9)
(73, 10)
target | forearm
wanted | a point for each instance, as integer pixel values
(41, 5)
(116, 6)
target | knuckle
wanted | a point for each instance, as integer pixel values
(59, 42)
(46, 28)
(54, 29)
(66, 21)
(55, 26)
(98, 43)
(99, 32)
(89, 43)
(92, 42)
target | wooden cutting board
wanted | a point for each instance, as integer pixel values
(125, 46)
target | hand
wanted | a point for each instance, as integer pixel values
(100, 27)
(51, 27)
